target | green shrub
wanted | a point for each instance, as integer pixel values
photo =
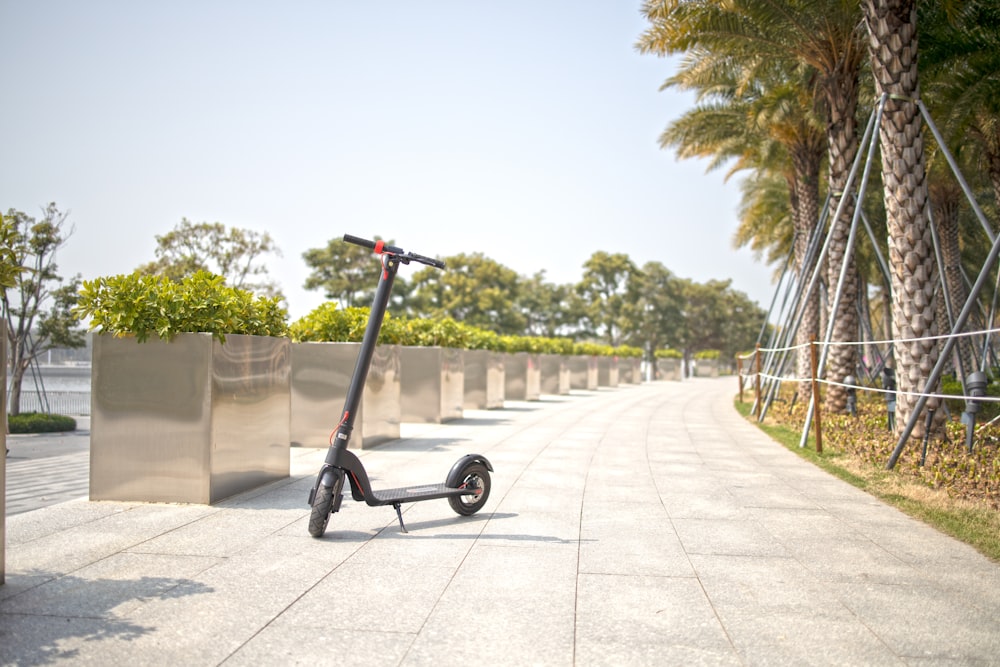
(140, 305)
(514, 344)
(329, 324)
(37, 422)
(628, 351)
(593, 350)
(707, 354)
(668, 353)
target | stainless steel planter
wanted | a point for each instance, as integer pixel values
(607, 372)
(432, 384)
(629, 370)
(669, 368)
(484, 380)
(522, 376)
(555, 374)
(706, 368)
(583, 372)
(190, 420)
(321, 373)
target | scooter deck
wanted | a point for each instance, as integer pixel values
(407, 494)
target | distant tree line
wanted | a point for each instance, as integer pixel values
(615, 302)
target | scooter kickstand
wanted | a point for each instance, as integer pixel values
(399, 514)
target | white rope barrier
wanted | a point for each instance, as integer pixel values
(898, 392)
(882, 342)
(876, 390)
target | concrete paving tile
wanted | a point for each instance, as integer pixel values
(774, 495)
(951, 629)
(727, 537)
(804, 529)
(767, 586)
(94, 540)
(718, 505)
(54, 639)
(224, 533)
(857, 559)
(518, 601)
(632, 620)
(111, 587)
(794, 640)
(320, 644)
(360, 596)
(57, 518)
(649, 553)
(526, 528)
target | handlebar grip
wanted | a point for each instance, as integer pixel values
(436, 263)
(378, 246)
(365, 243)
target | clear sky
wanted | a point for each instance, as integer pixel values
(522, 129)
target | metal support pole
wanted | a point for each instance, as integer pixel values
(949, 345)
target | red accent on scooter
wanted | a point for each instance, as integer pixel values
(378, 247)
(357, 484)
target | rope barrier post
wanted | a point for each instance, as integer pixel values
(756, 389)
(739, 375)
(814, 371)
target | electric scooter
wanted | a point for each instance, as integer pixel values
(467, 485)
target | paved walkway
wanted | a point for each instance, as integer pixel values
(643, 525)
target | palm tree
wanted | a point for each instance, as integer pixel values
(819, 36)
(892, 44)
(960, 64)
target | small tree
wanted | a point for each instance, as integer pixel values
(29, 282)
(609, 287)
(232, 253)
(346, 273)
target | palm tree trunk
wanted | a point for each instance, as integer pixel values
(993, 167)
(892, 30)
(946, 198)
(805, 197)
(842, 360)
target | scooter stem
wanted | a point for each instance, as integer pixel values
(390, 265)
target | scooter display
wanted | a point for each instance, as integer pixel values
(467, 485)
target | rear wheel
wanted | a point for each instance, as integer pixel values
(476, 478)
(322, 505)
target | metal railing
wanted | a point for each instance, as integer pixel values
(57, 402)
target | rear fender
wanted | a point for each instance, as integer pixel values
(455, 476)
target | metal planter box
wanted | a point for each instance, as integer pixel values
(668, 368)
(432, 384)
(555, 374)
(706, 368)
(629, 370)
(607, 372)
(522, 376)
(190, 420)
(321, 373)
(484, 380)
(583, 372)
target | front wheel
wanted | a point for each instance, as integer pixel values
(476, 477)
(322, 506)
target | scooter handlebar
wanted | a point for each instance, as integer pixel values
(379, 247)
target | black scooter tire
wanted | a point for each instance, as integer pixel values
(477, 476)
(322, 506)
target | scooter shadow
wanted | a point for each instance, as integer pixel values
(418, 527)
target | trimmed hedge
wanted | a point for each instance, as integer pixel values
(142, 305)
(38, 422)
